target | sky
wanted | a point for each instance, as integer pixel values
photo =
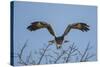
(59, 16)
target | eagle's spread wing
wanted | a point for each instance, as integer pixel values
(39, 25)
(79, 26)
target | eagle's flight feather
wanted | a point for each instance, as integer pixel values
(59, 40)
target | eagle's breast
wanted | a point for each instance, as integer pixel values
(59, 40)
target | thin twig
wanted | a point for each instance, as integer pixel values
(28, 57)
(72, 49)
(20, 54)
(58, 58)
(81, 60)
(43, 54)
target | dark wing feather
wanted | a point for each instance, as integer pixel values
(50, 29)
(33, 26)
(79, 26)
(39, 25)
(67, 30)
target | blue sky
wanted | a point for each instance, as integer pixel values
(59, 16)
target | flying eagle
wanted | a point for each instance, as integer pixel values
(58, 40)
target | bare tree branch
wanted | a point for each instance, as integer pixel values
(63, 56)
(86, 56)
(58, 58)
(72, 49)
(28, 58)
(84, 53)
(20, 56)
(21, 61)
(43, 54)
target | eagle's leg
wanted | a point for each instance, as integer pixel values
(51, 42)
(66, 41)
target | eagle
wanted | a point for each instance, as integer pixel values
(58, 40)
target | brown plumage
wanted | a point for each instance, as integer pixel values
(39, 24)
(79, 26)
(58, 40)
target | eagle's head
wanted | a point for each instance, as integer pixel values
(59, 41)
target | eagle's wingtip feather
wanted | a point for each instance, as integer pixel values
(29, 28)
